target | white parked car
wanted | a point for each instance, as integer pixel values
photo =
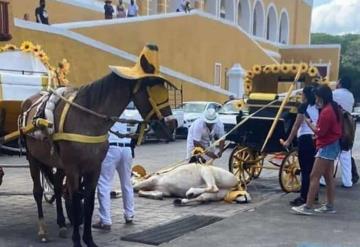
(356, 113)
(132, 113)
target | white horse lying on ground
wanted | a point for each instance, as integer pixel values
(192, 183)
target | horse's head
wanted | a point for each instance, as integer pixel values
(149, 94)
(151, 98)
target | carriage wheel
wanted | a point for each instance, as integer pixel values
(49, 194)
(289, 173)
(240, 162)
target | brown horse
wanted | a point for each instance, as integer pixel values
(82, 161)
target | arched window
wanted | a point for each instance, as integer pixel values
(222, 9)
(227, 10)
(284, 28)
(271, 24)
(4, 21)
(243, 18)
(258, 19)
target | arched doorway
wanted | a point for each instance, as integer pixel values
(271, 24)
(244, 16)
(227, 10)
(284, 27)
(258, 19)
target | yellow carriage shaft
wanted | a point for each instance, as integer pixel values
(38, 123)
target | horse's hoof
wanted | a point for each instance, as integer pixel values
(43, 238)
(63, 232)
(177, 202)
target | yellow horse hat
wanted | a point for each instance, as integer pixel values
(147, 65)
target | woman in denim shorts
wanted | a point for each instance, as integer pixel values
(328, 131)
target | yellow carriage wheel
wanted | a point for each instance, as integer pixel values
(257, 168)
(240, 164)
(290, 173)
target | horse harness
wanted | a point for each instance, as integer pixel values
(158, 99)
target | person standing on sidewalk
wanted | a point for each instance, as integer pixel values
(306, 146)
(343, 96)
(119, 159)
(328, 132)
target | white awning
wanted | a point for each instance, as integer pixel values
(20, 62)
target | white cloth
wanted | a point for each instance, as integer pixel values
(304, 128)
(344, 98)
(117, 159)
(199, 132)
(133, 10)
(345, 164)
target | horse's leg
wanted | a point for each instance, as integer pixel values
(38, 196)
(147, 184)
(208, 177)
(205, 197)
(75, 195)
(90, 182)
(153, 194)
(58, 180)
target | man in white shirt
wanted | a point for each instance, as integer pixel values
(118, 158)
(345, 99)
(132, 9)
(203, 132)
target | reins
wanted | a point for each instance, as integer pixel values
(91, 112)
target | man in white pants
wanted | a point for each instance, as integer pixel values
(118, 158)
(345, 99)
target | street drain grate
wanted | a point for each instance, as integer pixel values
(174, 229)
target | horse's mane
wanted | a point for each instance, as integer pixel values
(98, 90)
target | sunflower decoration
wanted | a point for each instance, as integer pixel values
(250, 75)
(313, 71)
(248, 89)
(285, 68)
(294, 68)
(275, 68)
(9, 47)
(27, 46)
(267, 69)
(256, 69)
(36, 49)
(304, 67)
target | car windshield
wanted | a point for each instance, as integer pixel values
(194, 107)
(130, 106)
(229, 108)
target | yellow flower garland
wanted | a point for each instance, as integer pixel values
(278, 68)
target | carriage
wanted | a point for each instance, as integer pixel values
(273, 95)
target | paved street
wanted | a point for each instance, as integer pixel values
(18, 218)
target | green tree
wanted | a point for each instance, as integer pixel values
(350, 56)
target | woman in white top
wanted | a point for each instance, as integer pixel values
(306, 145)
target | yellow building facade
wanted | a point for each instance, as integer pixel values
(198, 50)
